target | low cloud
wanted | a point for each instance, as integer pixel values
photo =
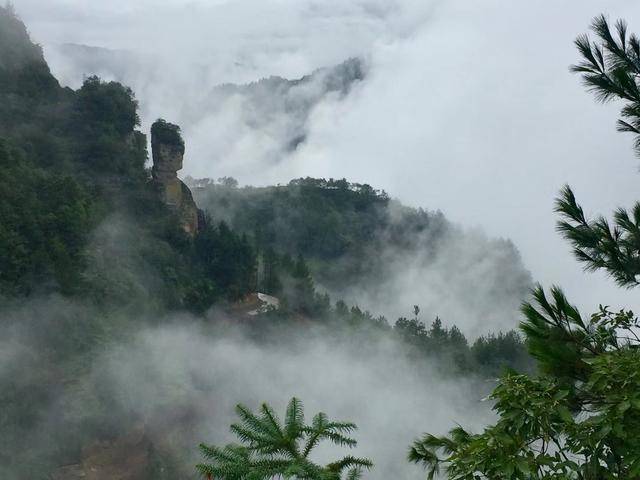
(391, 399)
(178, 379)
(463, 277)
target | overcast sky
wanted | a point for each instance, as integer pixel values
(468, 106)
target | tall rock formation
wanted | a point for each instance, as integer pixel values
(168, 150)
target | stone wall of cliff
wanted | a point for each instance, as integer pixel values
(168, 151)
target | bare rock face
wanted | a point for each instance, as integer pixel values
(168, 150)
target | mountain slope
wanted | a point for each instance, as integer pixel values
(372, 251)
(110, 311)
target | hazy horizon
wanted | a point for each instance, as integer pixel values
(418, 125)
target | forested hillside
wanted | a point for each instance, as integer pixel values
(74, 161)
(95, 269)
(367, 249)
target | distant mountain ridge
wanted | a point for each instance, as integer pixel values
(272, 112)
(276, 99)
(104, 62)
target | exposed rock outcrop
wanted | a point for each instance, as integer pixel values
(168, 150)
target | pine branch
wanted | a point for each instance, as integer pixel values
(294, 418)
(349, 462)
(270, 418)
(599, 245)
(254, 423)
(610, 69)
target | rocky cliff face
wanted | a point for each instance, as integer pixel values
(168, 151)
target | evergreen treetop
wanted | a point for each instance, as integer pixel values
(272, 448)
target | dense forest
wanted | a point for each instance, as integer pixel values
(365, 248)
(128, 338)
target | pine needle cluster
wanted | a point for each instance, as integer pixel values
(599, 244)
(610, 68)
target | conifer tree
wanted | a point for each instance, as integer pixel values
(274, 449)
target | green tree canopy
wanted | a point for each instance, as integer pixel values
(165, 132)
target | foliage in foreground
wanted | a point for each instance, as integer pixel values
(271, 448)
(610, 69)
(579, 419)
